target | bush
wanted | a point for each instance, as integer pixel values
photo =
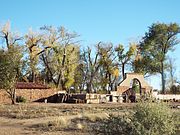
(20, 99)
(154, 119)
(146, 119)
(114, 125)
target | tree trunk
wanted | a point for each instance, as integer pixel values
(89, 86)
(61, 77)
(13, 101)
(162, 78)
(110, 83)
(123, 68)
(48, 68)
(58, 85)
(13, 97)
(33, 76)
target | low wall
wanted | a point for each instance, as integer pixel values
(29, 94)
(167, 96)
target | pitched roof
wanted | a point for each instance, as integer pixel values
(30, 85)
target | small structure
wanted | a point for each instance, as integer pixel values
(30, 91)
(125, 87)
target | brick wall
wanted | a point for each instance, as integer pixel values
(29, 94)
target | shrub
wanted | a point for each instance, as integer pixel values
(20, 99)
(114, 125)
(146, 119)
(153, 119)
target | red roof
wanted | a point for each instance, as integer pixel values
(30, 85)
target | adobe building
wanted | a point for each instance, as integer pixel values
(30, 91)
(126, 86)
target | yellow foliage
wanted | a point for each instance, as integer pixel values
(116, 72)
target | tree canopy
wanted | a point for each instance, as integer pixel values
(157, 42)
(55, 56)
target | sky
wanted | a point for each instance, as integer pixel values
(116, 21)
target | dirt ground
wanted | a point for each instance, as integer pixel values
(26, 119)
(21, 119)
(25, 127)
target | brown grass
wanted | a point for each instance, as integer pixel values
(36, 110)
(52, 119)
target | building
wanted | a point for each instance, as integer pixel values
(125, 88)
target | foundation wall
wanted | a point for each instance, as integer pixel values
(29, 94)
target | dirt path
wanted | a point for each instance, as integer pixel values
(15, 127)
(9, 126)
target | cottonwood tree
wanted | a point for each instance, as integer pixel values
(32, 44)
(157, 42)
(9, 37)
(108, 70)
(81, 73)
(10, 60)
(91, 67)
(172, 70)
(98, 68)
(124, 58)
(60, 55)
(171, 81)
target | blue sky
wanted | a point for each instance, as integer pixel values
(116, 21)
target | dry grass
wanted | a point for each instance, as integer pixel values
(81, 122)
(80, 126)
(23, 111)
(95, 117)
(58, 123)
(67, 119)
(28, 111)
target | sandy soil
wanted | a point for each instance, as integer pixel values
(25, 124)
(9, 126)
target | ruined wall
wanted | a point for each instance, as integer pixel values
(131, 76)
(125, 84)
(29, 94)
(121, 89)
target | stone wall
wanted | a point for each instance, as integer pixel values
(29, 94)
(175, 97)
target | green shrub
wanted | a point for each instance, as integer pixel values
(146, 119)
(20, 99)
(114, 125)
(153, 119)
